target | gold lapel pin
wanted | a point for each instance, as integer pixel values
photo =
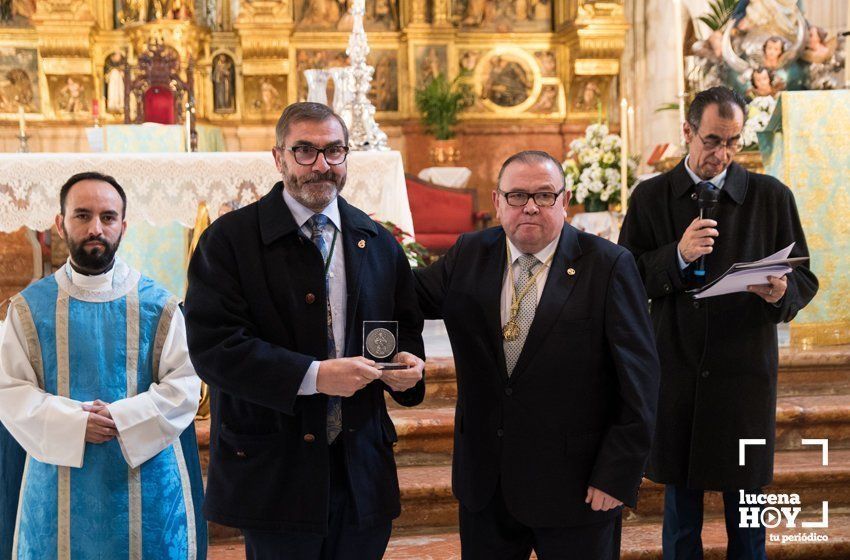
(571, 272)
(362, 243)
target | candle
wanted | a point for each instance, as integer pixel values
(624, 155)
(188, 124)
(632, 131)
(680, 67)
(22, 127)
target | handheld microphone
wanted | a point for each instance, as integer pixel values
(709, 197)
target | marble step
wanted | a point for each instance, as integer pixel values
(427, 499)
(430, 430)
(640, 541)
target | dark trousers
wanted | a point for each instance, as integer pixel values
(345, 540)
(681, 536)
(494, 534)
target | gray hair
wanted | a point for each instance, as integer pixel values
(305, 111)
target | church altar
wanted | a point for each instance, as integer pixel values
(164, 189)
(806, 146)
(168, 187)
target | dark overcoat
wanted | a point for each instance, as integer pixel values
(579, 407)
(719, 356)
(256, 320)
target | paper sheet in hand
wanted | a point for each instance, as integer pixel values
(741, 275)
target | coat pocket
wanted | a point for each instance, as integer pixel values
(245, 446)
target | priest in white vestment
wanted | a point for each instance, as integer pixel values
(97, 387)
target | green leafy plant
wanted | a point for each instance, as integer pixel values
(439, 103)
(721, 11)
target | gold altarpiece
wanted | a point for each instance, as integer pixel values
(535, 61)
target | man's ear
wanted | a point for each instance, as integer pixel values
(58, 222)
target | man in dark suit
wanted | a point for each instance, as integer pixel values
(719, 355)
(557, 375)
(301, 454)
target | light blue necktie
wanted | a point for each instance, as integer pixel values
(317, 224)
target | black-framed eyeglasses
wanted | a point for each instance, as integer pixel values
(711, 144)
(307, 155)
(520, 198)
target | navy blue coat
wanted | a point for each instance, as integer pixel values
(578, 409)
(253, 331)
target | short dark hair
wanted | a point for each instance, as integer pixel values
(725, 99)
(305, 111)
(91, 176)
(774, 39)
(759, 70)
(527, 157)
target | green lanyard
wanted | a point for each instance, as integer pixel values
(331, 252)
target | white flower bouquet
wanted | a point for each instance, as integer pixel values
(592, 169)
(759, 112)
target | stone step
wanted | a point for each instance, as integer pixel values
(640, 541)
(427, 499)
(430, 430)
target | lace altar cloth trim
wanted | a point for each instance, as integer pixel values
(166, 187)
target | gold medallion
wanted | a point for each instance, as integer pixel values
(510, 331)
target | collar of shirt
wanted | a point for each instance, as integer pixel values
(542, 255)
(301, 213)
(717, 181)
(97, 283)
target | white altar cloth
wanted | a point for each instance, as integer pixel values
(166, 187)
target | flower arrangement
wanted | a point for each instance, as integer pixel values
(759, 112)
(416, 254)
(592, 169)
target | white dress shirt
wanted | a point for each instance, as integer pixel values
(336, 278)
(52, 428)
(717, 181)
(542, 256)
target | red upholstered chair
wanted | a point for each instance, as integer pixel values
(160, 93)
(441, 214)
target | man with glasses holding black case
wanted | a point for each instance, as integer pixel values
(719, 355)
(556, 370)
(301, 446)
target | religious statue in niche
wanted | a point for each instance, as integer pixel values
(548, 63)
(18, 80)
(113, 83)
(771, 35)
(587, 95)
(507, 84)
(224, 84)
(502, 16)
(16, 13)
(334, 15)
(469, 60)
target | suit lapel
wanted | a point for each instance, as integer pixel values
(492, 278)
(559, 286)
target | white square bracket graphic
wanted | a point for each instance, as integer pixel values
(824, 443)
(742, 448)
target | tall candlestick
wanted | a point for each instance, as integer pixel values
(22, 127)
(680, 67)
(632, 131)
(624, 155)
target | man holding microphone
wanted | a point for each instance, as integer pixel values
(719, 355)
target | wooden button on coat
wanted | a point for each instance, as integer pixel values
(571, 272)
(309, 438)
(309, 298)
(361, 244)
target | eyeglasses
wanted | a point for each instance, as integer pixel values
(519, 198)
(711, 144)
(307, 155)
